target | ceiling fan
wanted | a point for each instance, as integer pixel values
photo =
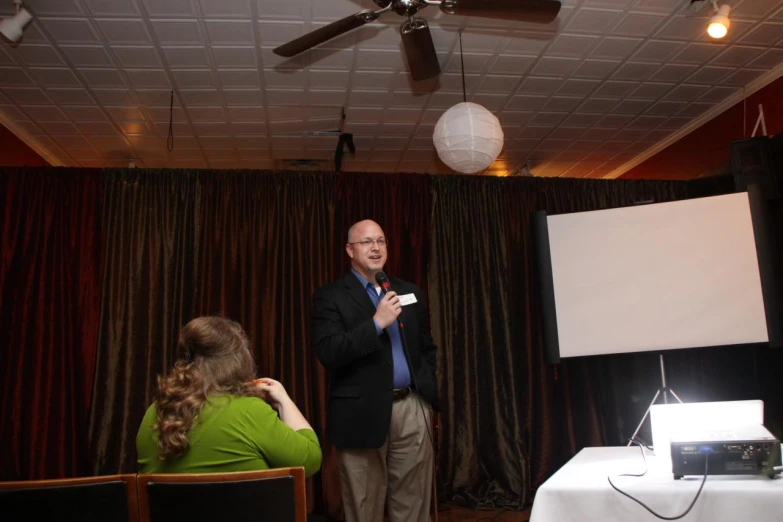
(415, 33)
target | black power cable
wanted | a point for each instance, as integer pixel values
(645, 506)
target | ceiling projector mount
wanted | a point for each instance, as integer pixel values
(415, 32)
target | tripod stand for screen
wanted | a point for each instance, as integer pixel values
(663, 390)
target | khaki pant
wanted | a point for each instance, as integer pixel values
(398, 475)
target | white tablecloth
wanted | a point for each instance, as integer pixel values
(579, 492)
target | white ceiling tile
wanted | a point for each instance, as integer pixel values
(15, 77)
(112, 7)
(331, 59)
(491, 102)
(26, 96)
(114, 96)
(499, 83)
(70, 31)
(743, 77)
(253, 114)
(98, 78)
(539, 85)
(58, 8)
(530, 44)
(474, 63)
(579, 119)
(687, 92)
(281, 79)
(600, 105)
(84, 113)
(125, 114)
(27, 126)
(657, 51)
(235, 57)
(329, 79)
(242, 96)
(695, 109)
(361, 98)
(43, 113)
(148, 78)
(225, 8)
(230, 32)
(562, 103)
(510, 64)
(592, 21)
(38, 55)
(568, 133)
(768, 60)
(673, 73)
(754, 9)
(284, 96)
(73, 142)
(156, 97)
(572, 45)
(332, 98)
(615, 48)
(711, 75)
(697, 53)
(683, 28)
(249, 128)
(598, 134)
(578, 87)
(651, 90)
(599, 69)
(211, 129)
(124, 32)
(170, 8)
(290, 9)
(58, 128)
(638, 24)
(97, 128)
(194, 79)
(200, 97)
(186, 57)
(738, 56)
(526, 103)
(177, 32)
(635, 71)
(718, 94)
(558, 67)
(87, 56)
(70, 96)
(55, 77)
(616, 89)
(406, 99)
(666, 108)
(137, 57)
(548, 119)
(277, 33)
(632, 106)
(231, 78)
(111, 142)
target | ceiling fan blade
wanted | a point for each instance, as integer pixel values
(325, 33)
(534, 11)
(419, 49)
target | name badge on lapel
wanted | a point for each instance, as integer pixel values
(407, 299)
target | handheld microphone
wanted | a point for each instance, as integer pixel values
(383, 282)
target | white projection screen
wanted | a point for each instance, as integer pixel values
(657, 277)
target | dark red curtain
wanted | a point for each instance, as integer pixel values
(49, 308)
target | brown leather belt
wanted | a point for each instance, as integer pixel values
(399, 394)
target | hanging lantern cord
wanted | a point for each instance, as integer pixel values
(462, 61)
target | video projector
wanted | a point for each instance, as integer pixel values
(748, 450)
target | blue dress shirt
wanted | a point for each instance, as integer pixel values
(402, 376)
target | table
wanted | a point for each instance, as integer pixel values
(579, 492)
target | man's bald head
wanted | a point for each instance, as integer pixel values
(359, 227)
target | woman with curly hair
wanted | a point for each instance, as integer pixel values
(211, 416)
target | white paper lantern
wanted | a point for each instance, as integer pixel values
(468, 138)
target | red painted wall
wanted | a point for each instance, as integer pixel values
(708, 146)
(15, 153)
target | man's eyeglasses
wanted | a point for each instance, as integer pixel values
(367, 243)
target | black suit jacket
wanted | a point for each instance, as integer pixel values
(346, 342)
